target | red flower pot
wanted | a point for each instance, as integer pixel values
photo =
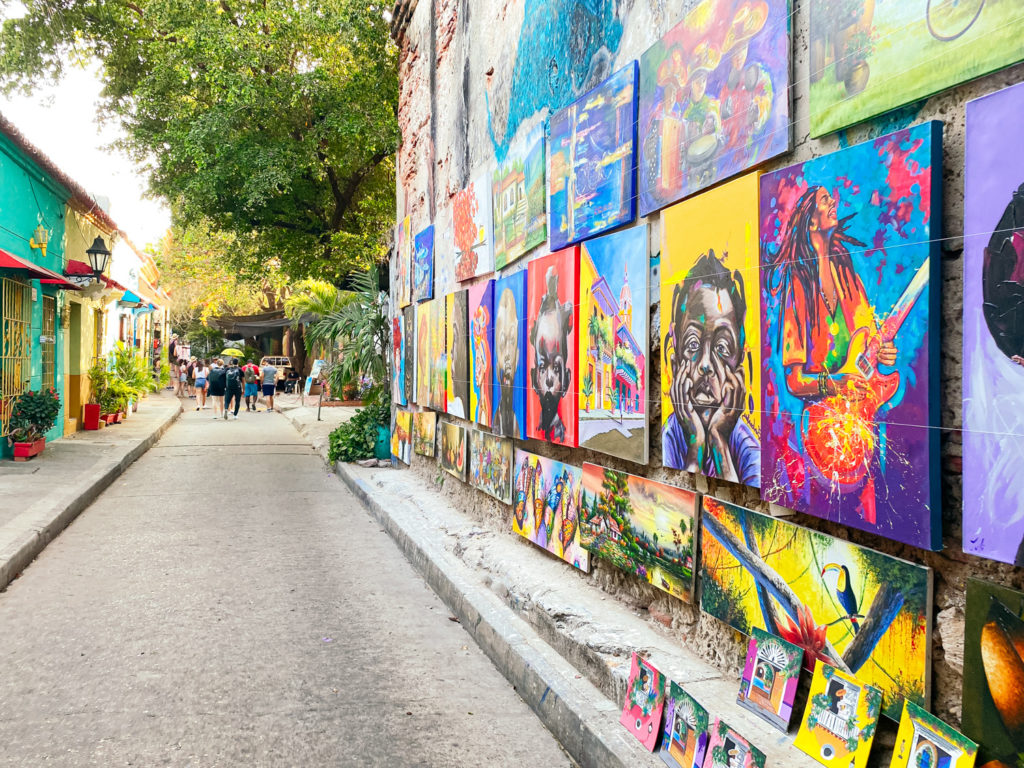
(91, 416)
(25, 451)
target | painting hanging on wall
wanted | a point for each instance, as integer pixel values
(471, 229)
(770, 676)
(401, 437)
(612, 358)
(849, 389)
(867, 58)
(457, 353)
(711, 325)
(481, 353)
(403, 246)
(453, 449)
(398, 355)
(424, 426)
(409, 342)
(424, 354)
(509, 390)
(518, 200)
(645, 700)
(438, 355)
(490, 464)
(552, 397)
(714, 98)
(684, 738)
(641, 526)
(923, 739)
(591, 159)
(423, 265)
(727, 749)
(839, 722)
(993, 346)
(846, 605)
(546, 506)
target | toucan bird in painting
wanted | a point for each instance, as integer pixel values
(844, 592)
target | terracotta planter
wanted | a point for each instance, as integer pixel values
(25, 451)
(91, 416)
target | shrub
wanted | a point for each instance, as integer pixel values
(33, 415)
(356, 438)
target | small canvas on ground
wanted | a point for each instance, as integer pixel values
(401, 437)
(839, 722)
(727, 749)
(684, 739)
(645, 700)
(770, 677)
(924, 740)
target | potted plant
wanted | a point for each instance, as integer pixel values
(32, 416)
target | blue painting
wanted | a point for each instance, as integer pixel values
(510, 356)
(423, 265)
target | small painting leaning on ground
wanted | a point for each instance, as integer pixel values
(862, 611)
(546, 506)
(424, 426)
(401, 438)
(490, 464)
(471, 229)
(727, 749)
(457, 353)
(453, 449)
(481, 353)
(924, 740)
(839, 722)
(684, 738)
(423, 265)
(868, 57)
(641, 526)
(645, 700)
(518, 200)
(770, 676)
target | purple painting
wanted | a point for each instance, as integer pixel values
(993, 367)
(849, 336)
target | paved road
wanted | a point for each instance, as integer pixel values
(228, 603)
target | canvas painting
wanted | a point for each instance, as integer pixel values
(714, 98)
(424, 425)
(457, 353)
(839, 722)
(845, 605)
(438, 355)
(490, 464)
(867, 58)
(424, 354)
(409, 343)
(398, 355)
(471, 229)
(552, 399)
(423, 265)
(518, 200)
(403, 246)
(770, 677)
(711, 328)
(849, 312)
(444, 251)
(645, 700)
(727, 749)
(546, 506)
(453, 449)
(641, 526)
(591, 159)
(481, 353)
(509, 389)
(684, 739)
(924, 740)
(993, 361)
(401, 437)
(613, 344)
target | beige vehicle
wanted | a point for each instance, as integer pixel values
(283, 365)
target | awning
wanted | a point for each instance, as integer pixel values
(42, 274)
(130, 298)
(75, 267)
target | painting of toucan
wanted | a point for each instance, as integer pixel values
(844, 592)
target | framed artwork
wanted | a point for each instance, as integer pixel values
(839, 722)
(552, 400)
(471, 229)
(438, 355)
(444, 250)
(490, 464)
(398, 356)
(852, 607)
(645, 700)
(613, 342)
(849, 389)
(546, 506)
(403, 246)
(518, 200)
(424, 425)
(727, 749)
(457, 353)
(993, 345)
(641, 526)
(509, 390)
(711, 327)
(714, 98)
(424, 353)
(401, 437)
(684, 739)
(923, 739)
(409, 343)
(481, 353)
(591, 160)
(770, 676)
(423, 265)
(453, 449)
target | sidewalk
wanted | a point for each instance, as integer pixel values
(39, 498)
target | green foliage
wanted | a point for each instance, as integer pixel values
(33, 415)
(722, 603)
(356, 438)
(132, 368)
(164, 377)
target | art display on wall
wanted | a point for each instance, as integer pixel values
(457, 353)
(641, 526)
(509, 390)
(403, 247)
(645, 700)
(839, 722)
(612, 357)
(727, 749)
(867, 58)
(481, 353)
(591, 159)
(711, 328)
(438, 355)
(424, 425)
(845, 605)
(401, 436)
(714, 98)
(424, 354)
(423, 265)
(552, 397)
(684, 739)
(409, 342)
(923, 739)
(849, 291)
(770, 676)
(398, 356)
(490, 464)
(993, 345)
(453, 449)
(471, 229)
(546, 506)
(518, 200)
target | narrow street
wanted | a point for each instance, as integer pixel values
(228, 602)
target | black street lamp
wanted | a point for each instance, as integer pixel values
(99, 255)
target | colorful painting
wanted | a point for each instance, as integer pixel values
(612, 360)
(424, 354)
(684, 740)
(591, 159)
(423, 265)
(711, 383)
(854, 608)
(840, 719)
(481, 353)
(546, 506)
(457, 353)
(403, 247)
(409, 343)
(849, 312)
(424, 426)
(727, 749)
(552, 398)
(867, 58)
(509, 390)
(453, 449)
(471, 230)
(517, 200)
(645, 700)
(444, 250)
(438, 355)
(993, 347)
(401, 436)
(641, 526)
(398, 360)
(490, 464)
(924, 740)
(714, 98)
(770, 677)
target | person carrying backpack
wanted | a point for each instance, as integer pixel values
(233, 387)
(251, 375)
(217, 383)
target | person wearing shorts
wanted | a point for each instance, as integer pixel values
(216, 384)
(269, 384)
(251, 374)
(201, 374)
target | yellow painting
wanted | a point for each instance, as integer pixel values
(711, 326)
(924, 740)
(840, 720)
(423, 356)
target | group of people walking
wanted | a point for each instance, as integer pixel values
(225, 385)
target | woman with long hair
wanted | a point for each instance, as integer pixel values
(202, 373)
